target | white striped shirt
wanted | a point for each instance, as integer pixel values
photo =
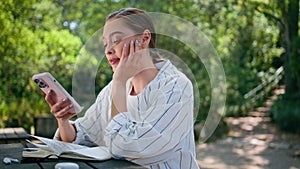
(157, 129)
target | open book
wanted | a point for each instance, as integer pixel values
(55, 149)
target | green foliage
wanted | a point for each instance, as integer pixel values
(285, 113)
(45, 35)
(285, 14)
(32, 41)
(88, 17)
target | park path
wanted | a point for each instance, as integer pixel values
(253, 142)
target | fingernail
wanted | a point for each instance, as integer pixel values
(48, 91)
(71, 105)
(65, 99)
(138, 42)
(125, 45)
(132, 42)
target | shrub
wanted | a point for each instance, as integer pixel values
(286, 114)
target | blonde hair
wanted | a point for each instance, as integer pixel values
(138, 21)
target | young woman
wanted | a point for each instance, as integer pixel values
(145, 114)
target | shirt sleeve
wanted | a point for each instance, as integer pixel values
(81, 137)
(163, 120)
(82, 133)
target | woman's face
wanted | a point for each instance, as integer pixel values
(115, 35)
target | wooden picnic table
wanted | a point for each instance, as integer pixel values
(13, 135)
(14, 150)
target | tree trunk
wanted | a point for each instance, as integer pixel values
(291, 16)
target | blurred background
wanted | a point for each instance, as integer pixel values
(256, 40)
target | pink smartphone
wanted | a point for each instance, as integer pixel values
(47, 82)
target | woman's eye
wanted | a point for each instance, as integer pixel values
(117, 41)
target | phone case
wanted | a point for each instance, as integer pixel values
(47, 82)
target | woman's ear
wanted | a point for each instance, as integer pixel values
(146, 37)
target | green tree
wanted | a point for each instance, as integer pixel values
(289, 10)
(285, 13)
(44, 35)
(233, 26)
(32, 41)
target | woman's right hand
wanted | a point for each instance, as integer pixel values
(61, 109)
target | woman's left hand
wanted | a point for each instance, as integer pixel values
(134, 59)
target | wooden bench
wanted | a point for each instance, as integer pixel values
(13, 135)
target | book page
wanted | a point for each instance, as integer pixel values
(59, 147)
(41, 146)
(94, 153)
(68, 150)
